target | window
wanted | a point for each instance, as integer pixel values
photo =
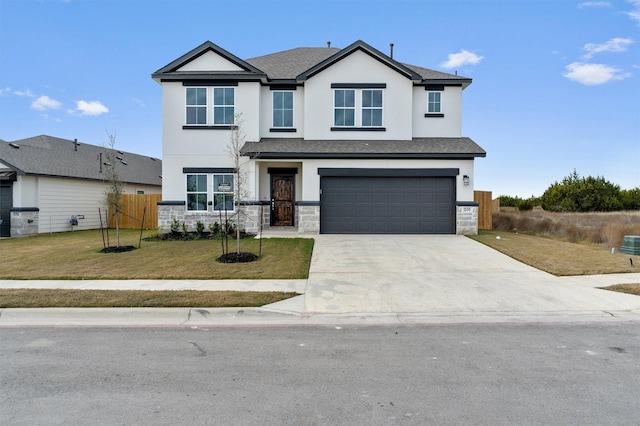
(282, 109)
(223, 106)
(197, 105)
(344, 108)
(372, 108)
(368, 104)
(197, 192)
(223, 192)
(434, 102)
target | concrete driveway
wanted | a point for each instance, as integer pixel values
(442, 274)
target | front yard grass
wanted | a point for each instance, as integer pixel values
(558, 257)
(52, 298)
(76, 256)
(562, 258)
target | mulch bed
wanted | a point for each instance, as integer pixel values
(235, 257)
(117, 249)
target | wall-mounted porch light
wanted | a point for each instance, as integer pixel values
(466, 180)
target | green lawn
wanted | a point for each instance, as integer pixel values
(77, 256)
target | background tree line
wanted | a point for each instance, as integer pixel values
(579, 194)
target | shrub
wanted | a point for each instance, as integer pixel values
(175, 226)
(582, 194)
(199, 227)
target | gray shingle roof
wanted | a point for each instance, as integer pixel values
(293, 65)
(288, 64)
(50, 156)
(462, 147)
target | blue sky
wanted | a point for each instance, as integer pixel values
(556, 83)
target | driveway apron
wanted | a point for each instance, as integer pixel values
(438, 274)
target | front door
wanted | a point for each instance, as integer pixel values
(282, 200)
(6, 203)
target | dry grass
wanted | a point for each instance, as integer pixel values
(76, 255)
(43, 298)
(625, 288)
(607, 229)
(558, 257)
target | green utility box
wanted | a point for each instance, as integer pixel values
(631, 245)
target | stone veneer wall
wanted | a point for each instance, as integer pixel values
(249, 222)
(467, 220)
(24, 223)
(308, 219)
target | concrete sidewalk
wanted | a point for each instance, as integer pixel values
(372, 279)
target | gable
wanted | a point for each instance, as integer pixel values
(359, 67)
(205, 60)
(360, 47)
(209, 61)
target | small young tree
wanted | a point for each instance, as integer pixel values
(239, 189)
(115, 186)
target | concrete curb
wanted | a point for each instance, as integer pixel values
(221, 317)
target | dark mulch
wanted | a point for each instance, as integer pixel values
(241, 257)
(117, 249)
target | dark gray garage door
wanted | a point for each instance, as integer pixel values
(387, 205)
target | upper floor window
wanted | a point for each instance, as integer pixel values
(372, 107)
(197, 105)
(282, 109)
(223, 105)
(344, 108)
(435, 102)
(197, 192)
(358, 108)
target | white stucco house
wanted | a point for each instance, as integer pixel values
(49, 184)
(336, 141)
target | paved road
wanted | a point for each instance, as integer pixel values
(506, 374)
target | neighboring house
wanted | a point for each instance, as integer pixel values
(337, 141)
(50, 184)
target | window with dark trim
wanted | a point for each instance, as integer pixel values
(223, 106)
(196, 105)
(434, 102)
(358, 109)
(282, 109)
(197, 192)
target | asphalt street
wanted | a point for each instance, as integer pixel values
(498, 374)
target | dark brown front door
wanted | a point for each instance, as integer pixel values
(282, 200)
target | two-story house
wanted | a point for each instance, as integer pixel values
(335, 141)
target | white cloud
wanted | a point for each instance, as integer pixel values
(44, 103)
(617, 44)
(593, 74)
(464, 57)
(594, 4)
(635, 13)
(27, 93)
(138, 102)
(93, 108)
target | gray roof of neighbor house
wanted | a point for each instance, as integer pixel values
(270, 148)
(295, 65)
(50, 156)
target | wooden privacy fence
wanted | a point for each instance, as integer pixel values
(485, 207)
(133, 207)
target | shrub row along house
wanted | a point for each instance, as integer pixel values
(49, 184)
(336, 141)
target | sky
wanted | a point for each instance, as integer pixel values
(556, 83)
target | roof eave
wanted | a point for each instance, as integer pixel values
(363, 156)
